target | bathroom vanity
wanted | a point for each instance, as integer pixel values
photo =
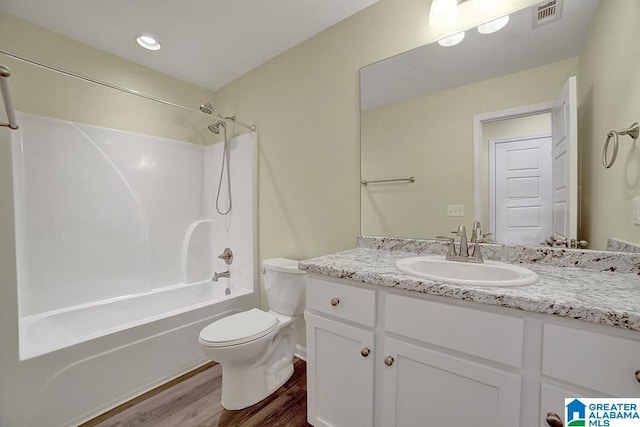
(387, 349)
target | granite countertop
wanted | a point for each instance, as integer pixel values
(604, 288)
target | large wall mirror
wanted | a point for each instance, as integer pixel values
(454, 134)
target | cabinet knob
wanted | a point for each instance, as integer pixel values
(365, 352)
(335, 302)
(389, 360)
(554, 420)
(638, 375)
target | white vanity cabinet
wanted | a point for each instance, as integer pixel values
(340, 354)
(448, 366)
(379, 357)
(586, 363)
(409, 359)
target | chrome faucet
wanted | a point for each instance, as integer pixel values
(476, 230)
(217, 275)
(462, 255)
(464, 248)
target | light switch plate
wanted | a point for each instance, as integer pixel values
(455, 210)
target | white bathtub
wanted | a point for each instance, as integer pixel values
(53, 330)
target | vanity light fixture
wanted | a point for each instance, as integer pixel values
(148, 42)
(493, 26)
(485, 5)
(451, 40)
(443, 13)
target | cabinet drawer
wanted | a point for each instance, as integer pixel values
(592, 360)
(343, 301)
(488, 335)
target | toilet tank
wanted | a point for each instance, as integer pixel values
(285, 286)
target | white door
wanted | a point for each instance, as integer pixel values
(564, 125)
(339, 373)
(423, 387)
(520, 189)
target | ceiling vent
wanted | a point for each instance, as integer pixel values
(547, 12)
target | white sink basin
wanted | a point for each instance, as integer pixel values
(489, 273)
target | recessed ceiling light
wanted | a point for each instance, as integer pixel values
(493, 26)
(451, 40)
(148, 42)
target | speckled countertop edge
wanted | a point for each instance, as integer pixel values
(588, 294)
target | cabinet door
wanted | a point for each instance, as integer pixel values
(552, 398)
(425, 387)
(339, 373)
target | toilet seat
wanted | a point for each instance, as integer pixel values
(238, 328)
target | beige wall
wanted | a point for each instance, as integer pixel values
(306, 105)
(609, 91)
(431, 137)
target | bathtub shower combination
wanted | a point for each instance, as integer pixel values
(115, 229)
(117, 241)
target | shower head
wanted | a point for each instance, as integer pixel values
(215, 127)
(207, 108)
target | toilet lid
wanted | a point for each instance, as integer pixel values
(238, 328)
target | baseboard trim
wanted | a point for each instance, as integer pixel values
(301, 352)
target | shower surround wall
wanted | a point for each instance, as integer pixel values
(117, 240)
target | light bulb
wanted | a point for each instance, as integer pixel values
(148, 42)
(443, 13)
(493, 26)
(451, 40)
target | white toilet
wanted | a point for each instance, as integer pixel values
(255, 347)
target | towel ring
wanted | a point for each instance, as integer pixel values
(633, 131)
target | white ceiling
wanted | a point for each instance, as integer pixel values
(206, 42)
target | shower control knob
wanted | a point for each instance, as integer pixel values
(227, 256)
(335, 302)
(389, 360)
(365, 352)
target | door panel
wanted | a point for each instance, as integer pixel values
(521, 189)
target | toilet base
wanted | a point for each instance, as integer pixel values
(242, 387)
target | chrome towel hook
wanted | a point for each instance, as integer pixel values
(633, 131)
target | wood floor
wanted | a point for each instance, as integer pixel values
(195, 401)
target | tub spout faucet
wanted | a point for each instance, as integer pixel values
(217, 275)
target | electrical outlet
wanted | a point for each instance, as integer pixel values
(455, 210)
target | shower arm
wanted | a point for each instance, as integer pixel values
(207, 108)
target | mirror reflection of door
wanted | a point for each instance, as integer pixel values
(520, 189)
(564, 125)
(507, 199)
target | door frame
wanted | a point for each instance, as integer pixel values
(494, 116)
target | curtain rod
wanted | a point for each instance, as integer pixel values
(96, 81)
(6, 97)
